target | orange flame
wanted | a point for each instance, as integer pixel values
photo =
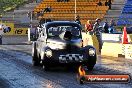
(81, 71)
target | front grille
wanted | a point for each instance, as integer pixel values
(70, 48)
(70, 58)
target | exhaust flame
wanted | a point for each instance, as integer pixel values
(81, 71)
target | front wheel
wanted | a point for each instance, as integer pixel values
(91, 63)
(90, 67)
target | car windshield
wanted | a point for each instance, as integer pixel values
(56, 31)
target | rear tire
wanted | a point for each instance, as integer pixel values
(35, 59)
(46, 68)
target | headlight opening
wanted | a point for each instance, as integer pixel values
(92, 52)
(48, 53)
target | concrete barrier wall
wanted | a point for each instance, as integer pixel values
(111, 37)
(9, 26)
(116, 49)
(111, 49)
(115, 37)
(20, 31)
(13, 30)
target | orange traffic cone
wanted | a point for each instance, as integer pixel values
(124, 37)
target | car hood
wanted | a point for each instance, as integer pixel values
(58, 43)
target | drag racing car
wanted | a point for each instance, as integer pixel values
(60, 43)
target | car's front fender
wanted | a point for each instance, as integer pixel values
(42, 53)
(87, 47)
(86, 50)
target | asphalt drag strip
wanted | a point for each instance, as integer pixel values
(17, 70)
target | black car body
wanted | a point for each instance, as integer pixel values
(60, 43)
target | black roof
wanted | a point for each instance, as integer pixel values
(62, 23)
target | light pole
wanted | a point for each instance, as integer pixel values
(75, 8)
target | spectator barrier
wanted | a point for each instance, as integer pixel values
(111, 49)
(9, 27)
(117, 49)
(11, 30)
(20, 31)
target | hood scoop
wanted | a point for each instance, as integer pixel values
(67, 35)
